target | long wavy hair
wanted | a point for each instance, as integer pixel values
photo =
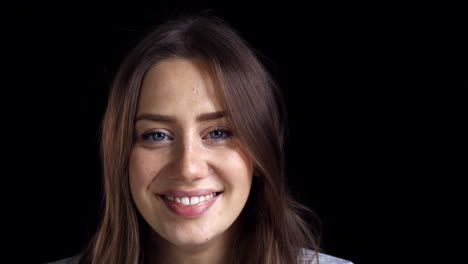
(273, 230)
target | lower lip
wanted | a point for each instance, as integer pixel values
(190, 211)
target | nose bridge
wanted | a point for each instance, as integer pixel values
(190, 158)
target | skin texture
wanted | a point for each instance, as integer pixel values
(185, 155)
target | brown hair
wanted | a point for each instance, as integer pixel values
(272, 230)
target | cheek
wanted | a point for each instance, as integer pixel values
(141, 170)
(239, 170)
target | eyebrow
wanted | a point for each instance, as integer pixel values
(171, 119)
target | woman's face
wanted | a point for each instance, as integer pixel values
(189, 177)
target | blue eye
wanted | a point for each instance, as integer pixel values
(220, 134)
(217, 134)
(153, 136)
(157, 137)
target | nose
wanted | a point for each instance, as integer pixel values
(190, 161)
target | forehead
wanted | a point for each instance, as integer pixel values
(179, 84)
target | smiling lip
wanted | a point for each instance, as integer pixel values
(189, 211)
(193, 193)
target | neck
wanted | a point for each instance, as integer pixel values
(217, 250)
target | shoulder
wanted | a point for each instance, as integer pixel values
(70, 260)
(307, 256)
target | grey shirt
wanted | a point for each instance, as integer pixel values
(306, 257)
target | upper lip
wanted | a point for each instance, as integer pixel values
(188, 193)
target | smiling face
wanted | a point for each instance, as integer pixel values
(178, 160)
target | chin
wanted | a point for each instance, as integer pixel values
(190, 240)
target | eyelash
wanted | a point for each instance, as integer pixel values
(146, 137)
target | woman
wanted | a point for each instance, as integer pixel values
(193, 160)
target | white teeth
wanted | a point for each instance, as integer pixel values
(185, 200)
(193, 200)
(190, 200)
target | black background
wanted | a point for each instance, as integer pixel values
(344, 71)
